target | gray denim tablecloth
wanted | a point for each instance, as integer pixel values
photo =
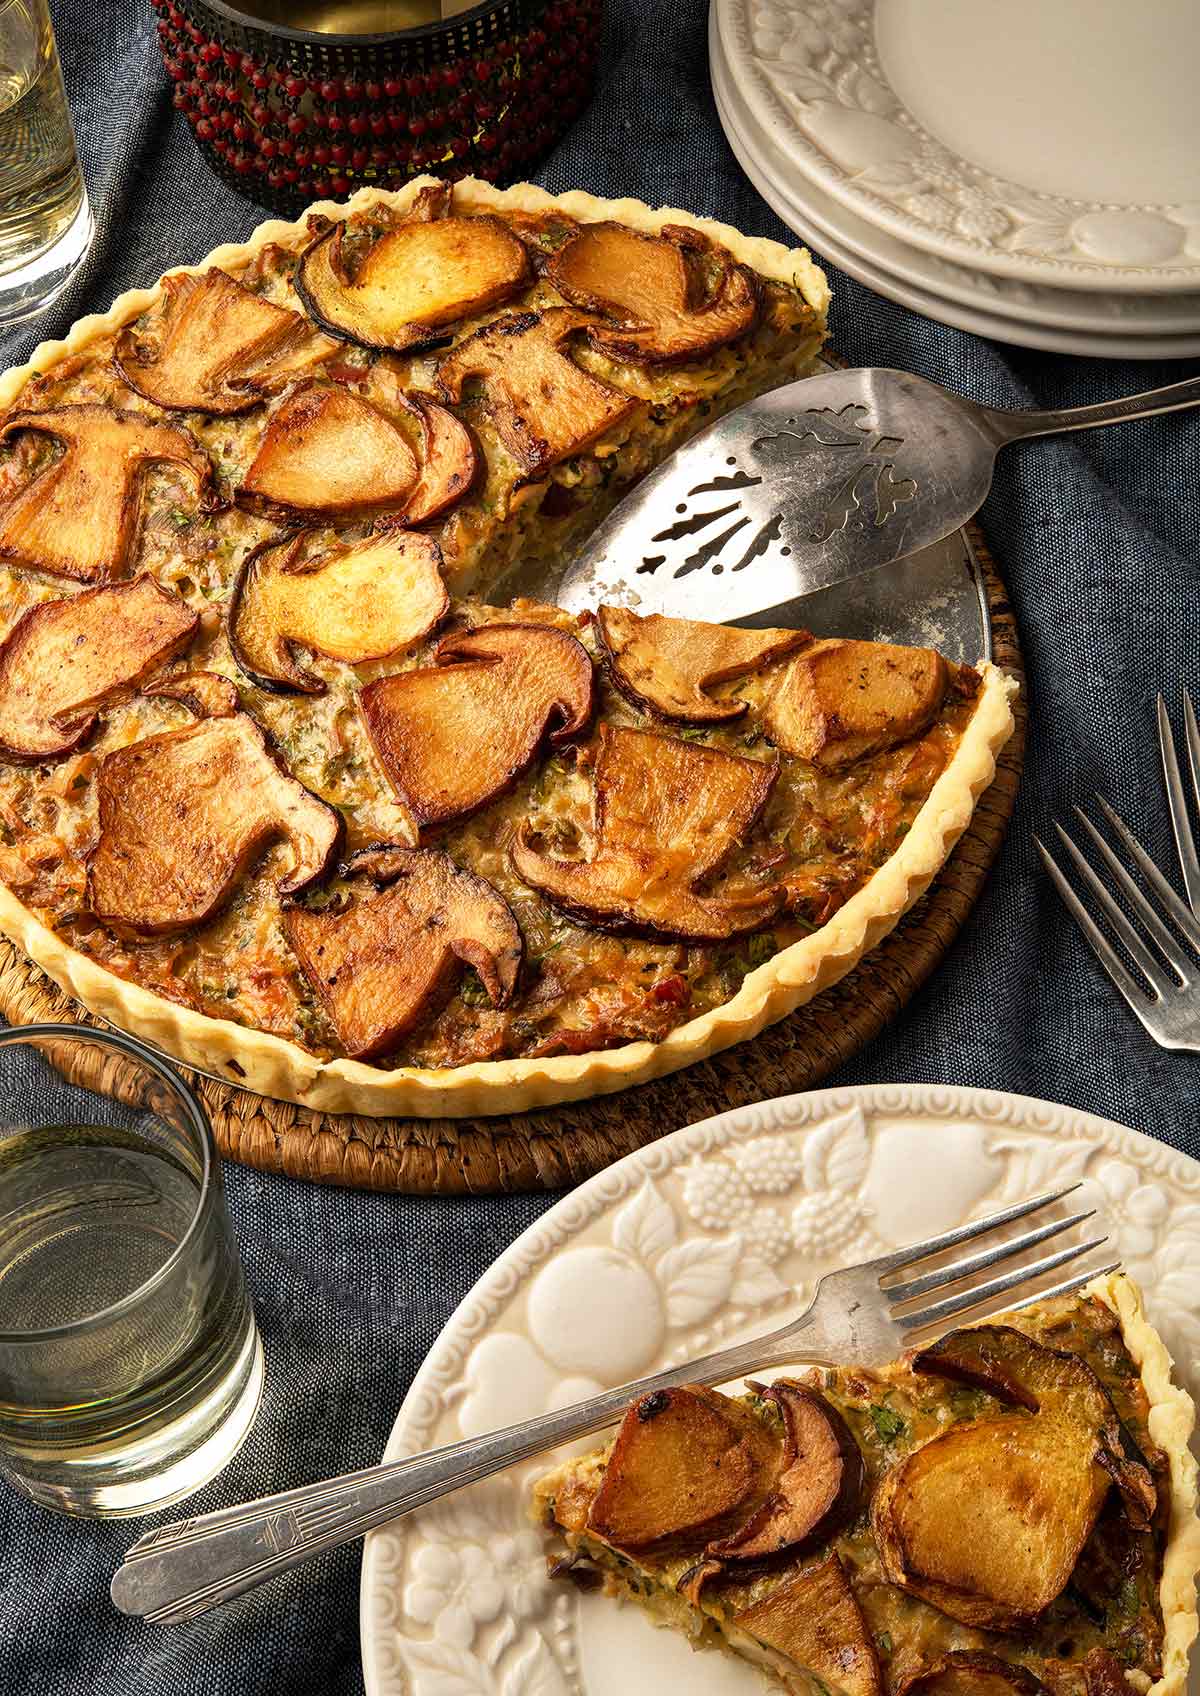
(1098, 537)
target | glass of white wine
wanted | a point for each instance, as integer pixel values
(130, 1365)
(45, 223)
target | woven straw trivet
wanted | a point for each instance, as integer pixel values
(561, 1146)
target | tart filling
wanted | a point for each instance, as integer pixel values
(1010, 1510)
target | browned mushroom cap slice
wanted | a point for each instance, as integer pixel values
(840, 701)
(661, 312)
(78, 516)
(686, 1462)
(449, 462)
(544, 406)
(819, 1483)
(814, 1622)
(384, 965)
(217, 347)
(207, 694)
(64, 660)
(358, 601)
(454, 735)
(986, 1521)
(669, 664)
(326, 451)
(182, 817)
(973, 1672)
(415, 281)
(667, 815)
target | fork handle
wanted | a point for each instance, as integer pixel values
(179, 1571)
(1009, 426)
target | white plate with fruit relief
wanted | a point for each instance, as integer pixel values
(715, 1233)
(1107, 325)
(1053, 142)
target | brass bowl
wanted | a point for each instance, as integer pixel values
(292, 115)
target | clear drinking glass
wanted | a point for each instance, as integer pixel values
(130, 1365)
(45, 223)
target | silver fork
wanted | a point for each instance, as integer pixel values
(857, 1316)
(1168, 1001)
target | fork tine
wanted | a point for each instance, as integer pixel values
(1179, 910)
(1145, 961)
(960, 1269)
(1185, 842)
(1101, 947)
(1191, 733)
(941, 1310)
(1167, 944)
(1066, 1286)
(912, 1252)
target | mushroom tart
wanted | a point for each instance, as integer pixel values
(290, 783)
(1010, 1512)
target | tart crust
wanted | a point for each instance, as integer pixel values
(1172, 1422)
(271, 1065)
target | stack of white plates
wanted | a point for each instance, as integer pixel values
(1027, 170)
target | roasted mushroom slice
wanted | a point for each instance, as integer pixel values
(449, 462)
(218, 348)
(987, 1520)
(1051, 1382)
(544, 406)
(819, 1484)
(454, 735)
(383, 965)
(840, 701)
(326, 451)
(183, 815)
(973, 1672)
(667, 815)
(413, 282)
(813, 1622)
(64, 660)
(668, 664)
(660, 310)
(206, 694)
(357, 601)
(78, 516)
(686, 1463)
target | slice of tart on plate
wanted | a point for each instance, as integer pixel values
(315, 816)
(1007, 1512)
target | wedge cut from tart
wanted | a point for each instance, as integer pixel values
(298, 484)
(1063, 1530)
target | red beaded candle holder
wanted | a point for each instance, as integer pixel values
(290, 116)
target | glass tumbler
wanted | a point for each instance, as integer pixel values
(45, 223)
(130, 1365)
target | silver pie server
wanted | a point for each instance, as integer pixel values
(808, 485)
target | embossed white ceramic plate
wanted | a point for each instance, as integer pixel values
(705, 1237)
(1113, 325)
(1051, 140)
